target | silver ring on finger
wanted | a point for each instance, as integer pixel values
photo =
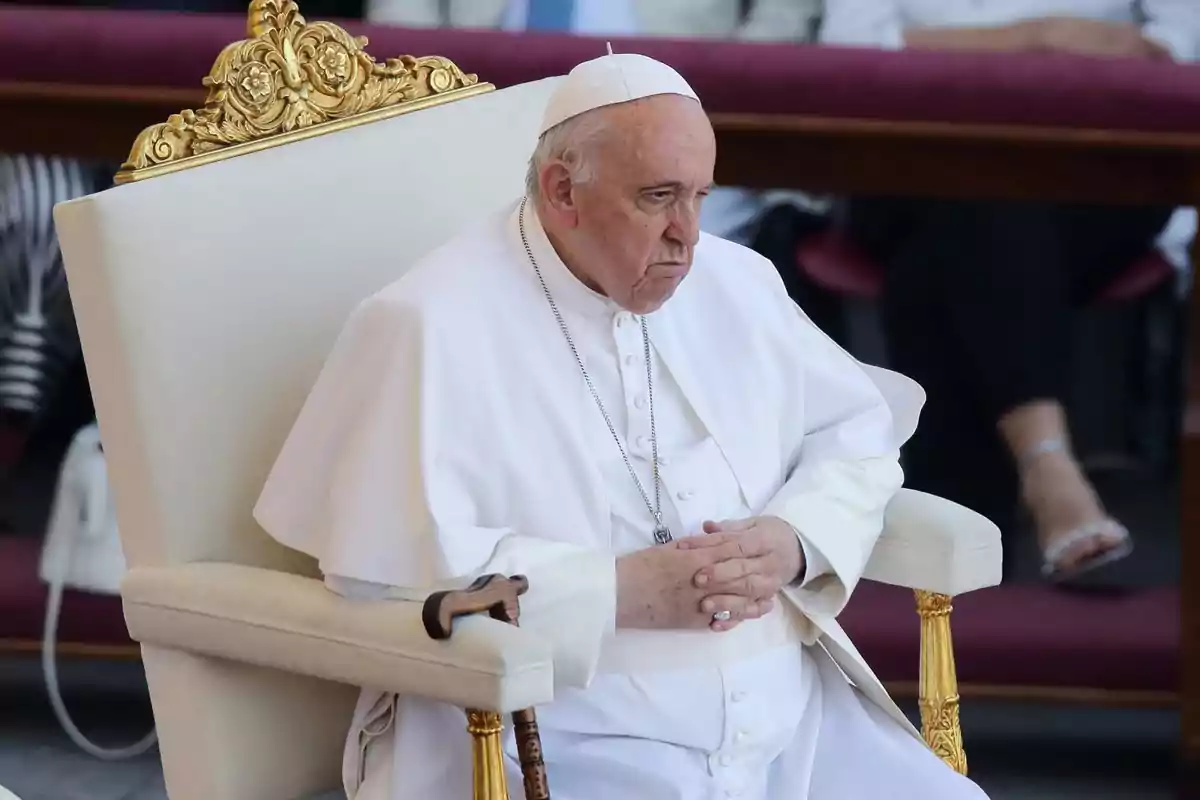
(723, 616)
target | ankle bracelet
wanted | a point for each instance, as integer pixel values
(1044, 447)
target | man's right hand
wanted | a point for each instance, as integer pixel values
(1091, 37)
(656, 590)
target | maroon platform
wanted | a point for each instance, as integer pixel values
(1030, 635)
(86, 618)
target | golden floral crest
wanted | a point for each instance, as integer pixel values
(291, 79)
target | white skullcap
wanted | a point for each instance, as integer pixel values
(609, 80)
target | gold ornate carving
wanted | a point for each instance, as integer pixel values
(487, 756)
(938, 694)
(931, 604)
(943, 733)
(289, 80)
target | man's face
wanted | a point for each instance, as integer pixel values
(633, 226)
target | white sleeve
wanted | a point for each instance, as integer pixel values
(354, 589)
(1175, 24)
(571, 601)
(815, 564)
(837, 507)
(369, 484)
(863, 23)
(844, 465)
(841, 450)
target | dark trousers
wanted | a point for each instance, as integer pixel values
(977, 308)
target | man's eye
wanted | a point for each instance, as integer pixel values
(660, 197)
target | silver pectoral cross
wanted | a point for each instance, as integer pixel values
(662, 534)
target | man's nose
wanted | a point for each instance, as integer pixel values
(685, 225)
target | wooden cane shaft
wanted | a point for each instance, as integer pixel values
(529, 751)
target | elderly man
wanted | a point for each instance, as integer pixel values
(689, 473)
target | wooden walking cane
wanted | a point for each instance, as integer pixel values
(499, 597)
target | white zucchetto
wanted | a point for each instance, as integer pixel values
(609, 80)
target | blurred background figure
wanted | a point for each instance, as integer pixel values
(39, 347)
(755, 20)
(38, 342)
(977, 296)
(613, 17)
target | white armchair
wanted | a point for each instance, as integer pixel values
(209, 287)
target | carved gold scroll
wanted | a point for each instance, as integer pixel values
(290, 80)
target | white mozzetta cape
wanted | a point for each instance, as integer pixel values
(447, 437)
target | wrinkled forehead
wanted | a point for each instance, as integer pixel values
(668, 136)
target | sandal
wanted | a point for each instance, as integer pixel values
(1107, 527)
(1052, 555)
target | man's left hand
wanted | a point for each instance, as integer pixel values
(760, 555)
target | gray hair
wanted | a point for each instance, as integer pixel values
(571, 142)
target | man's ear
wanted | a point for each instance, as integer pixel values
(558, 191)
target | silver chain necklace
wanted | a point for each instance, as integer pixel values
(662, 534)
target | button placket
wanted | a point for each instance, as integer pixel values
(735, 756)
(723, 761)
(632, 365)
(739, 717)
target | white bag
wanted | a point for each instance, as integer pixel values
(81, 551)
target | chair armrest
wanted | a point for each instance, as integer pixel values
(297, 625)
(933, 544)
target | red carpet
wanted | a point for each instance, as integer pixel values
(86, 618)
(1030, 635)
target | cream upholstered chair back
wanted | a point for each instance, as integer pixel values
(209, 287)
(208, 299)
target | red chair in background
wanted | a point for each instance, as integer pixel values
(834, 263)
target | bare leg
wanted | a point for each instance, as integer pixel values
(977, 306)
(1054, 487)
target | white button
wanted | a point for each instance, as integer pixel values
(737, 697)
(640, 401)
(740, 736)
(726, 760)
(629, 360)
(685, 495)
(663, 461)
(641, 442)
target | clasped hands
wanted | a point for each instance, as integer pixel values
(737, 566)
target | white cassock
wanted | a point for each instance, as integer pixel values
(451, 434)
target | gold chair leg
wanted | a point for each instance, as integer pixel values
(487, 756)
(939, 683)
